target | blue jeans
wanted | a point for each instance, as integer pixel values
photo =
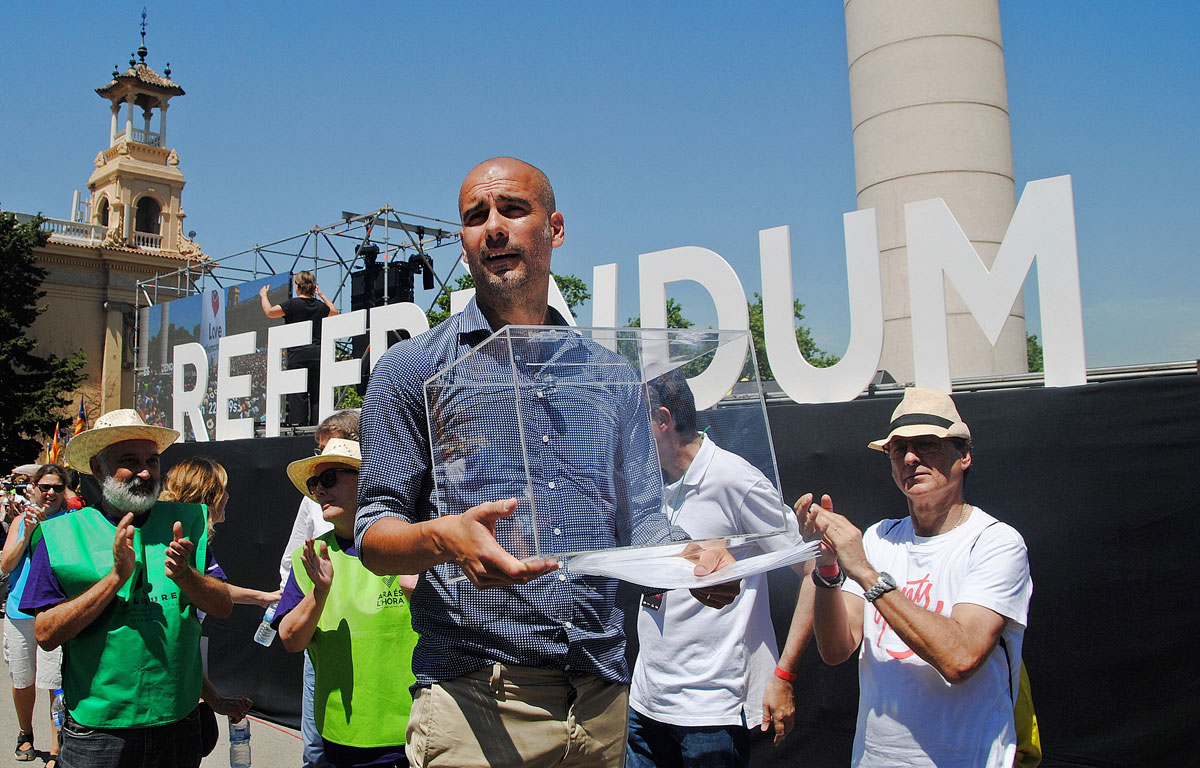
(174, 745)
(314, 748)
(658, 745)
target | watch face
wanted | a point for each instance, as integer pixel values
(885, 584)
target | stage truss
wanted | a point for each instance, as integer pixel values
(331, 252)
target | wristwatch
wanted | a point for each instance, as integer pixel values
(885, 584)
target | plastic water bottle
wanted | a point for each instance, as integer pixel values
(58, 712)
(266, 633)
(239, 743)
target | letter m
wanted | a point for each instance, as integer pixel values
(1042, 227)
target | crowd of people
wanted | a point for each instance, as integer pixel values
(153, 393)
(522, 663)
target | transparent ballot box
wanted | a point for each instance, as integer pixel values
(577, 424)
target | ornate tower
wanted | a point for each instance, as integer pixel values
(130, 230)
(137, 185)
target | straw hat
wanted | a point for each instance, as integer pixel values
(924, 412)
(115, 427)
(337, 451)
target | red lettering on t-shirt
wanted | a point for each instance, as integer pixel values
(919, 591)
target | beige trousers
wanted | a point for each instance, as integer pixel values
(519, 716)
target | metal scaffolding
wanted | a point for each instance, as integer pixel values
(334, 247)
(398, 236)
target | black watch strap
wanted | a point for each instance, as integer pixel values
(833, 583)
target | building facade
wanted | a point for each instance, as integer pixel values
(128, 230)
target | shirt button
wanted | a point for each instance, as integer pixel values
(545, 438)
(540, 394)
(558, 531)
(568, 625)
(562, 577)
(566, 667)
(550, 485)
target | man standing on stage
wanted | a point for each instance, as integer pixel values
(948, 588)
(531, 672)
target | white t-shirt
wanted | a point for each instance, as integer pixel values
(309, 524)
(908, 715)
(699, 666)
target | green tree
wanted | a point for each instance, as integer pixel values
(808, 347)
(1033, 353)
(574, 292)
(675, 318)
(36, 387)
(814, 354)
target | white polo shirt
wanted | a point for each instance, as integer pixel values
(699, 666)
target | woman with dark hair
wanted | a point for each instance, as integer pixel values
(308, 304)
(29, 666)
(202, 480)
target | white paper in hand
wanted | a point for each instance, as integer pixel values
(663, 567)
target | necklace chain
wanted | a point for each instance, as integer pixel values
(961, 517)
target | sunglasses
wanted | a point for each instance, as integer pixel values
(46, 487)
(899, 447)
(327, 479)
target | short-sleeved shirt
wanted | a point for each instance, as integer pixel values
(696, 666)
(908, 715)
(301, 308)
(561, 620)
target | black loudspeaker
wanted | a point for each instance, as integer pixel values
(367, 285)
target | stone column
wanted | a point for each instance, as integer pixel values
(112, 132)
(929, 107)
(110, 370)
(129, 117)
(162, 124)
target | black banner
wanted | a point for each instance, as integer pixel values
(1099, 479)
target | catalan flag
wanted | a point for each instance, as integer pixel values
(80, 419)
(55, 447)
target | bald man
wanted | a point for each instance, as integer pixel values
(521, 666)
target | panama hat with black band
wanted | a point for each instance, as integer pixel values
(924, 412)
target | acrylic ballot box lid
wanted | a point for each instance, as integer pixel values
(560, 418)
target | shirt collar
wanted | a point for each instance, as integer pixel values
(699, 465)
(471, 320)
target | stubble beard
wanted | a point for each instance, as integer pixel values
(135, 496)
(509, 288)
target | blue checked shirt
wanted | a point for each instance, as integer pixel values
(595, 478)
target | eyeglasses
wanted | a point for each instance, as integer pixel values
(46, 487)
(327, 479)
(923, 446)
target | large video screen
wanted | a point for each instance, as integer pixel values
(204, 319)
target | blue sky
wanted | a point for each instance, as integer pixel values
(660, 124)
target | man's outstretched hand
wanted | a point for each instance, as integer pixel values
(471, 540)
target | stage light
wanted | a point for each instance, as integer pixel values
(369, 253)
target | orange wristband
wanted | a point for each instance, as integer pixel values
(785, 675)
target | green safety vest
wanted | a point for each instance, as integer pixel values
(138, 663)
(361, 652)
